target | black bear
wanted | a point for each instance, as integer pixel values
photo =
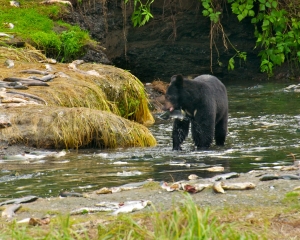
(204, 100)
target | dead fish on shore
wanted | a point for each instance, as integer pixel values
(34, 71)
(48, 60)
(122, 207)
(73, 65)
(14, 3)
(9, 25)
(290, 177)
(12, 85)
(217, 187)
(225, 176)
(9, 211)
(70, 194)
(201, 186)
(4, 121)
(9, 63)
(220, 187)
(190, 189)
(93, 73)
(48, 67)
(193, 177)
(6, 35)
(57, 1)
(45, 78)
(164, 185)
(176, 114)
(13, 100)
(125, 187)
(288, 168)
(26, 199)
(29, 96)
(62, 75)
(25, 81)
(269, 177)
(237, 186)
(121, 188)
(132, 206)
(296, 188)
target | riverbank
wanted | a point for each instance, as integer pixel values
(270, 209)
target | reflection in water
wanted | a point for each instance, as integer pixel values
(263, 131)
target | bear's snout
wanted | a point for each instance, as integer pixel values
(168, 107)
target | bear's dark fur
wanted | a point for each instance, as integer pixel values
(204, 100)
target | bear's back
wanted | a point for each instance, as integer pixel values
(206, 78)
(210, 82)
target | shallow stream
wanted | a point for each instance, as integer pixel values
(263, 132)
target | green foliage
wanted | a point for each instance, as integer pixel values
(36, 23)
(60, 228)
(209, 11)
(141, 12)
(292, 199)
(25, 21)
(72, 42)
(240, 55)
(65, 46)
(50, 42)
(185, 221)
(277, 30)
(242, 8)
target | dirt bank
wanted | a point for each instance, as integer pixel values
(265, 194)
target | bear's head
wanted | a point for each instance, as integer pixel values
(173, 95)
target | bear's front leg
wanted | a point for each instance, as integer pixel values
(180, 132)
(202, 134)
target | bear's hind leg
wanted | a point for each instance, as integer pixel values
(180, 132)
(221, 132)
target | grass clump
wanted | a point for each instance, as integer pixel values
(125, 91)
(185, 221)
(40, 26)
(74, 128)
(292, 199)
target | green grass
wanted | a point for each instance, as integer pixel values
(185, 221)
(40, 25)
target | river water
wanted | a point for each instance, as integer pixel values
(263, 132)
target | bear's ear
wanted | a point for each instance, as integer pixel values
(177, 80)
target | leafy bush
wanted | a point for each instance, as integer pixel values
(277, 29)
(50, 42)
(72, 42)
(276, 22)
